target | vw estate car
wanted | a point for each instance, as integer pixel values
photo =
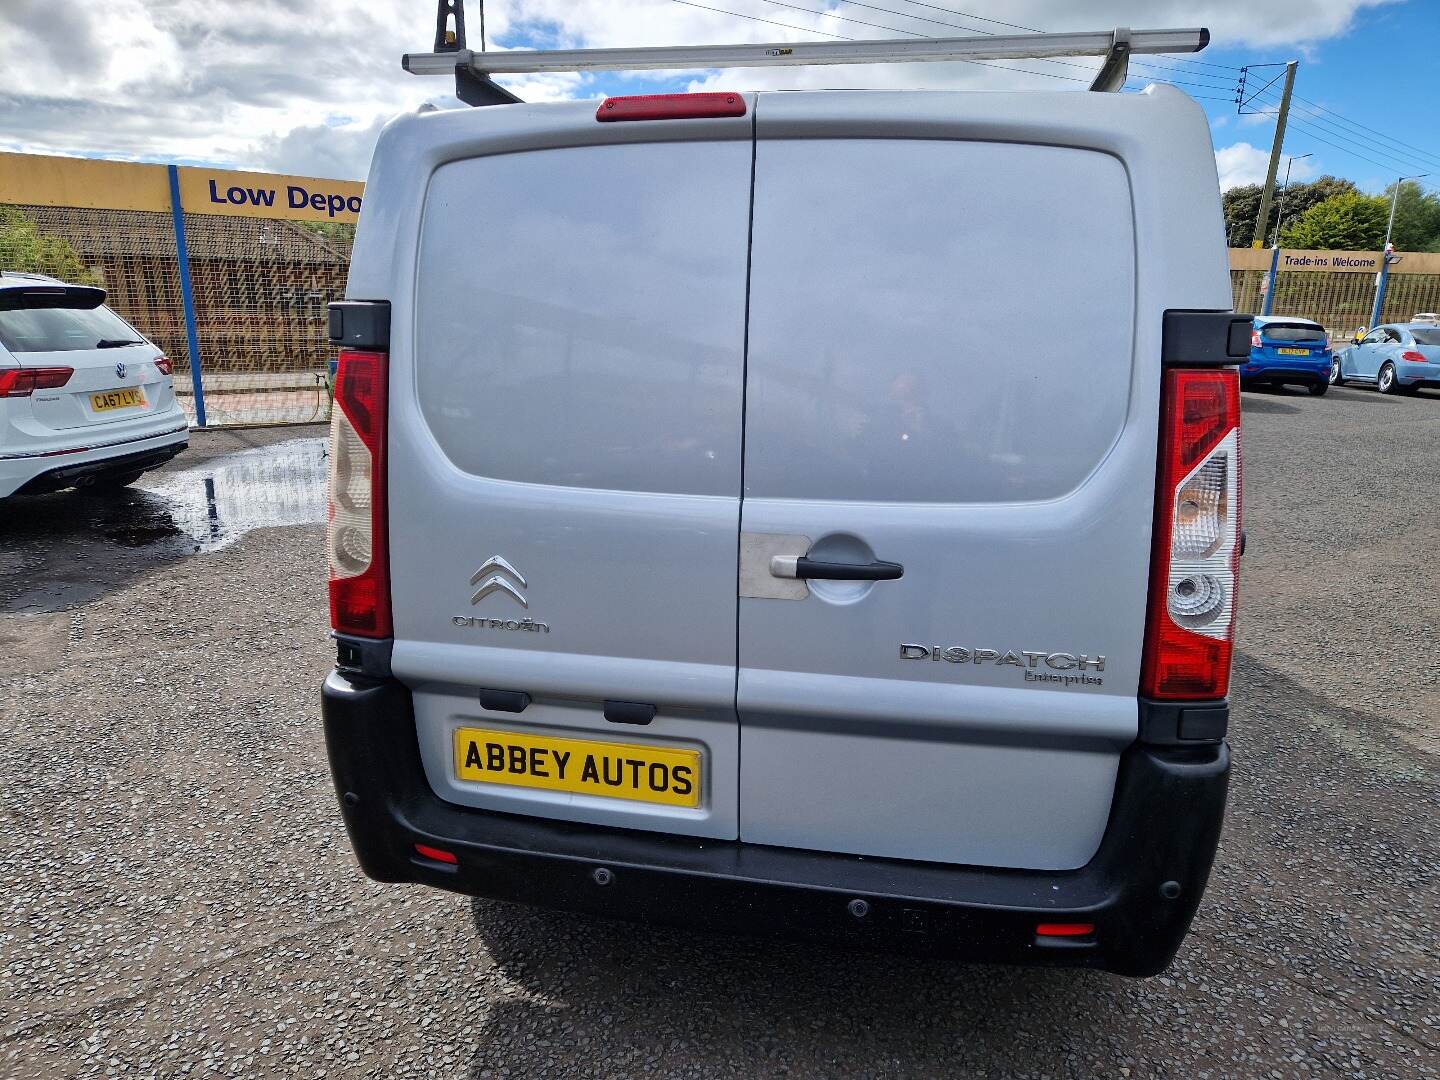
(85, 400)
(694, 559)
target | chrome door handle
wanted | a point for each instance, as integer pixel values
(804, 567)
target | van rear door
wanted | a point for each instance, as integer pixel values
(564, 482)
(942, 374)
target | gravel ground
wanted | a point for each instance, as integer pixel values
(180, 898)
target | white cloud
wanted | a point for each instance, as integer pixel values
(1241, 163)
(261, 83)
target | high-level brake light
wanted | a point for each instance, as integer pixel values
(1191, 621)
(669, 107)
(356, 538)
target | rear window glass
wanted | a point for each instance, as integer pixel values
(61, 329)
(1427, 337)
(1282, 332)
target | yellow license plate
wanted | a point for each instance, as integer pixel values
(1293, 352)
(651, 774)
(117, 399)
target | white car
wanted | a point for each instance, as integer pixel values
(85, 400)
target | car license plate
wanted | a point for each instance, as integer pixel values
(118, 399)
(1293, 352)
(652, 774)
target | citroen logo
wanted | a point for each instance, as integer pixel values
(120, 369)
(497, 581)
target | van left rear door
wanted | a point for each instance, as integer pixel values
(565, 467)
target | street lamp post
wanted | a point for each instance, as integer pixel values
(1395, 198)
(1280, 212)
(1385, 256)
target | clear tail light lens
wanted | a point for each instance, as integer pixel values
(1194, 571)
(356, 536)
(1254, 339)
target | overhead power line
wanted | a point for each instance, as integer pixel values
(1365, 130)
(1311, 122)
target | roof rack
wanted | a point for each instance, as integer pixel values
(472, 70)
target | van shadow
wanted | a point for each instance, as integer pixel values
(612, 998)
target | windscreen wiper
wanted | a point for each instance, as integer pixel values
(117, 343)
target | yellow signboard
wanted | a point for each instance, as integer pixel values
(101, 185)
(248, 194)
(32, 179)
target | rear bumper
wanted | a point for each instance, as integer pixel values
(1275, 373)
(31, 475)
(1140, 890)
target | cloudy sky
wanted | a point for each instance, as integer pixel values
(303, 86)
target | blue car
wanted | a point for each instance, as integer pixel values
(1398, 358)
(1288, 350)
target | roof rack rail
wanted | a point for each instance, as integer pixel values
(472, 70)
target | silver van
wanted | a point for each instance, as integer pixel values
(718, 537)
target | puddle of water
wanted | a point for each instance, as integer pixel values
(214, 504)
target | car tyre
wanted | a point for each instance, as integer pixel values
(1387, 383)
(1318, 389)
(1336, 379)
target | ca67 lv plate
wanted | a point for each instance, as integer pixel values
(652, 774)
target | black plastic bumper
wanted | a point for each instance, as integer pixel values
(1140, 890)
(65, 476)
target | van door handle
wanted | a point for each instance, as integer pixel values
(804, 567)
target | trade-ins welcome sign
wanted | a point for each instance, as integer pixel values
(32, 179)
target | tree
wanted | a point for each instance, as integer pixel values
(1242, 205)
(1417, 218)
(25, 248)
(1345, 222)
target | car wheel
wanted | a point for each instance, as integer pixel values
(1387, 383)
(1318, 389)
(1336, 379)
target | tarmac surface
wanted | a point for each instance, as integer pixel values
(179, 896)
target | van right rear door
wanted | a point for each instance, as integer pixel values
(942, 373)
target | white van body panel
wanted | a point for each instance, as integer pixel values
(542, 267)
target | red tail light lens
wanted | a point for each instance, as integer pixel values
(1194, 567)
(356, 539)
(163, 365)
(1254, 339)
(1414, 357)
(669, 107)
(23, 382)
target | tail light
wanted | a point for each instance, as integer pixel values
(22, 382)
(357, 532)
(1254, 339)
(163, 365)
(1414, 357)
(1191, 622)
